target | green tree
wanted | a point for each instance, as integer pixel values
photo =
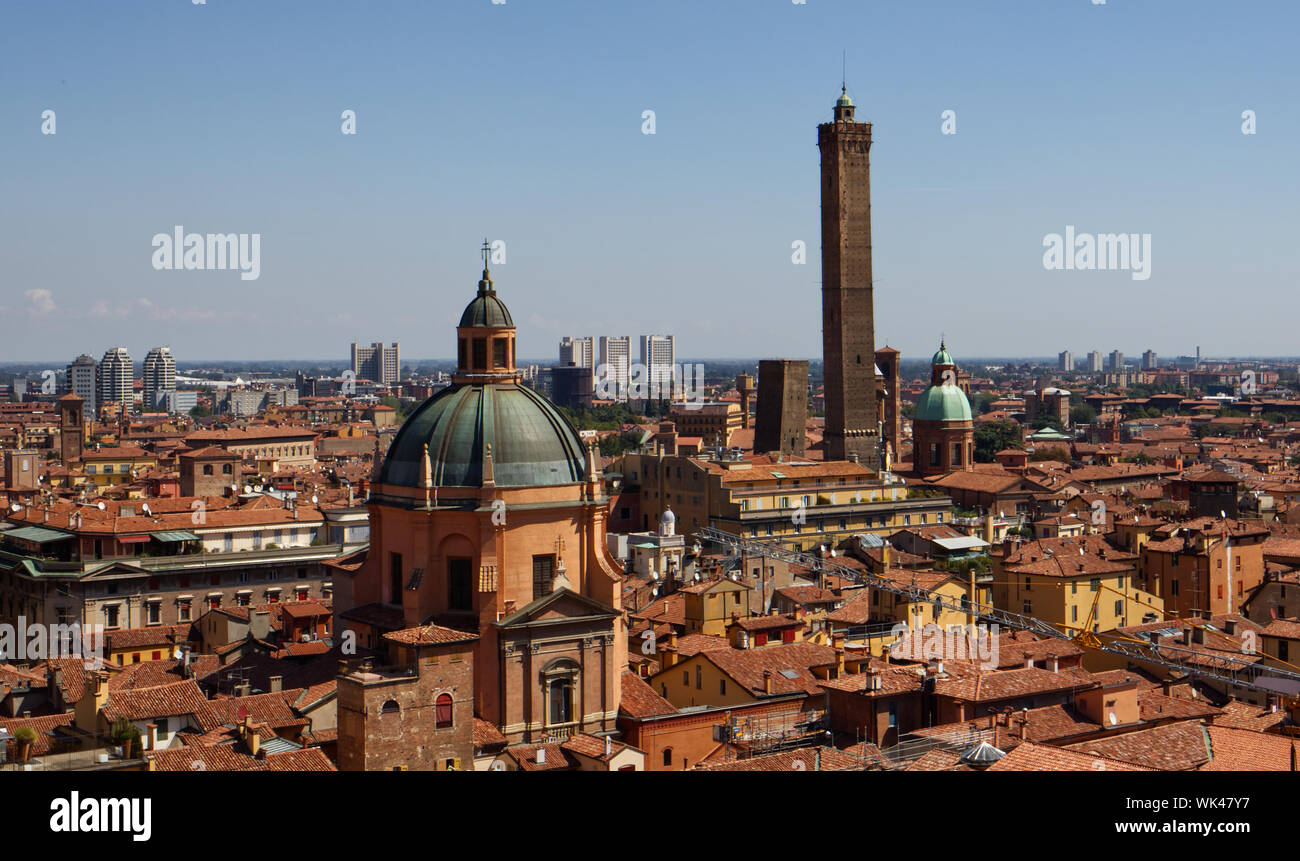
(993, 437)
(200, 412)
(1082, 414)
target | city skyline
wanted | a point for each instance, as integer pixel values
(349, 245)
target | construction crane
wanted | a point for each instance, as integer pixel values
(1223, 668)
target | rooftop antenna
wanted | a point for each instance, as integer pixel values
(844, 73)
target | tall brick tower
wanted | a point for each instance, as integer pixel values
(848, 324)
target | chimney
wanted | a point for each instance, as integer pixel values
(767, 681)
(839, 661)
(1053, 663)
(1187, 636)
(1029, 662)
(541, 756)
(1198, 636)
(1024, 723)
(277, 682)
(153, 735)
(874, 680)
(609, 746)
(1230, 627)
(884, 653)
(884, 556)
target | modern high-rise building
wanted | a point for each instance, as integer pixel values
(579, 352)
(82, 381)
(1065, 361)
(159, 378)
(1094, 361)
(376, 363)
(115, 378)
(658, 357)
(615, 363)
(1149, 361)
(848, 319)
(1116, 360)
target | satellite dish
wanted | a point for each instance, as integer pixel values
(313, 499)
(1114, 721)
(1223, 514)
(100, 505)
(176, 653)
(145, 508)
(248, 488)
(15, 507)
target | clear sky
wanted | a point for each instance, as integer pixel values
(523, 122)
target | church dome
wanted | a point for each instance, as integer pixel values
(532, 444)
(486, 411)
(942, 401)
(943, 404)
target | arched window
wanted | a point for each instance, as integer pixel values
(226, 469)
(560, 680)
(207, 469)
(668, 756)
(442, 711)
(390, 708)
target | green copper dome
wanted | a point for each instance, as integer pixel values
(532, 443)
(943, 401)
(943, 404)
(844, 101)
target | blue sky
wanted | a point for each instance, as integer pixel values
(522, 122)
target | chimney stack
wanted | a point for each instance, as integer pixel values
(277, 682)
(767, 681)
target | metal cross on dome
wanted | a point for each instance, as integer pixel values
(487, 251)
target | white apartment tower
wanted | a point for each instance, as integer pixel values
(159, 378)
(82, 381)
(1065, 361)
(615, 364)
(114, 378)
(577, 351)
(658, 359)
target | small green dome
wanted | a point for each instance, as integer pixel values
(942, 404)
(844, 101)
(942, 358)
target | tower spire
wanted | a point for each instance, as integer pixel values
(485, 285)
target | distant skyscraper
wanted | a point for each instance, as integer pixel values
(1116, 360)
(159, 378)
(848, 317)
(82, 381)
(1149, 362)
(658, 356)
(577, 351)
(115, 378)
(616, 359)
(1094, 361)
(377, 363)
(1065, 361)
